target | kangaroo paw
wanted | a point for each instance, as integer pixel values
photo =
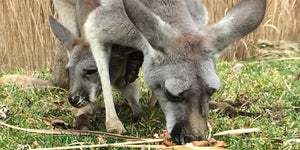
(139, 117)
(115, 126)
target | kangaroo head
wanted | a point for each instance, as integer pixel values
(183, 77)
(84, 81)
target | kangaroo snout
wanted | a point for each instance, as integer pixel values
(78, 101)
(183, 132)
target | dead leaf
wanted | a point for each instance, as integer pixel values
(101, 140)
(237, 68)
(220, 144)
(212, 141)
(164, 134)
(35, 144)
(156, 136)
(3, 111)
(59, 103)
(60, 123)
(57, 123)
(169, 143)
(200, 143)
(47, 122)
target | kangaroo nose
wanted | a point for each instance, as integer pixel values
(74, 100)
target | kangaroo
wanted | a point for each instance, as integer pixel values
(73, 14)
(81, 67)
(84, 81)
(179, 51)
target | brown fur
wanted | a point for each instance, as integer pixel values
(80, 41)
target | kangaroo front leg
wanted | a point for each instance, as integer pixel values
(101, 53)
(132, 93)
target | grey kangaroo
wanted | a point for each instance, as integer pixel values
(84, 81)
(82, 71)
(179, 51)
(73, 14)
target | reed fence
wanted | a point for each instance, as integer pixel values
(27, 42)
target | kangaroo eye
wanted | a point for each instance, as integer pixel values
(90, 71)
(67, 71)
(174, 98)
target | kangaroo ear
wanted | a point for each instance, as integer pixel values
(62, 33)
(157, 32)
(240, 20)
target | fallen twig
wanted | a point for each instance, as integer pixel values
(128, 144)
(144, 146)
(123, 144)
(71, 132)
(237, 131)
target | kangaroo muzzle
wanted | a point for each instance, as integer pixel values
(78, 101)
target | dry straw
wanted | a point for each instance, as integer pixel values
(26, 40)
(281, 22)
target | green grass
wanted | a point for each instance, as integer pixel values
(273, 83)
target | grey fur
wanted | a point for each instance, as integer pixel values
(179, 52)
(62, 33)
(83, 77)
(84, 81)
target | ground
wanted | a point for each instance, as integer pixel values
(269, 88)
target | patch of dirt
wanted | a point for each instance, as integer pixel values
(22, 80)
(276, 49)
